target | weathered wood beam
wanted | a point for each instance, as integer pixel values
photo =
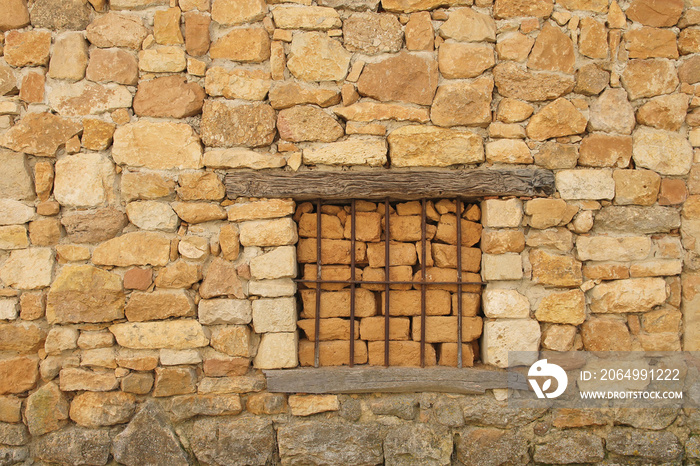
(397, 184)
(390, 380)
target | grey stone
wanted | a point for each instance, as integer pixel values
(61, 14)
(642, 220)
(646, 418)
(93, 226)
(149, 439)
(487, 446)
(350, 408)
(13, 434)
(13, 455)
(351, 4)
(569, 447)
(692, 448)
(403, 406)
(656, 446)
(491, 412)
(448, 412)
(418, 444)
(233, 441)
(74, 445)
(319, 442)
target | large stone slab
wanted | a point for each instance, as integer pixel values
(83, 293)
(631, 295)
(429, 146)
(227, 125)
(636, 80)
(463, 103)
(641, 220)
(117, 30)
(28, 269)
(74, 445)
(61, 14)
(87, 98)
(47, 410)
(157, 145)
(352, 151)
(93, 172)
(93, 226)
(230, 440)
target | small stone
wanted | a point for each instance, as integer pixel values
(484, 445)
(585, 184)
(655, 13)
(170, 96)
(28, 269)
(117, 30)
(289, 94)
(458, 60)
(176, 334)
(158, 305)
(665, 112)
(352, 151)
(138, 383)
(498, 267)
(29, 48)
(638, 186)
(248, 45)
(613, 297)
(568, 307)
(14, 212)
(570, 447)
(513, 111)
(238, 83)
(591, 80)
(306, 405)
(463, 104)
(18, 374)
(95, 174)
(54, 131)
(232, 12)
(499, 242)
(278, 263)
(166, 27)
(179, 274)
(612, 113)
(560, 118)
(225, 311)
(228, 439)
(136, 248)
(508, 151)
(160, 145)
(593, 42)
(672, 192)
(197, 39)
(306, 123)
(547, 213)
(553, 51)
(13, 237)
(664, 152)
(97, 134)
(261, 209)
(509, 9)
(689, 70)
(604, 150)
(113, 65)
(518, 83)
(17, 184)
(251, 125)
(15, 16)
(93, 226)
(277, 351)
(163, 59)
(69, 58)
(659, 447)
(59, 14)
(467, 25)
(555, 270)
(306, 18)
(94, 409)
(405, 77)
(76, 379)
(645, 220)
(419, 32)
(221, 279)
(10, 409)
(636, 82)
(47, 410)
(505, 304)
(194, 247)
(432, 146)
(503, 336)
(74, 445)
(514, 46)
(652, 43)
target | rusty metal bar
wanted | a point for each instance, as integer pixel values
(459, 285)
(423, 234)
(387, 271)
(317, 329)
(384, 282)
(352, 282)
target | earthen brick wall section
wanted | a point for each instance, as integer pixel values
(139, 305)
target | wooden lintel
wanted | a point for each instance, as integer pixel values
(390, 380)
(399, 184)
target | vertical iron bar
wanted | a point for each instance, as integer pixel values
(317, 329)
(459, 284)
(424, 228)
(352, 283)
(387, 238)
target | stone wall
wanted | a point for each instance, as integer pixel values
(139, 305)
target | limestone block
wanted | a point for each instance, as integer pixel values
(504, 335)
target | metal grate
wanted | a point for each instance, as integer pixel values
(387, 282)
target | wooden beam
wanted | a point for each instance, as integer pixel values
(399, 184)
(390, 380)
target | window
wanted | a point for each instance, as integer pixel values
(358, 308)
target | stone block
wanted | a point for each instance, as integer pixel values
(496, 213)
(274, 315)
(496, 267)
(505, 304)
(277, 351)
(504, 335)
(585, 184)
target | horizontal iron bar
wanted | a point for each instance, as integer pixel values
(384, 282)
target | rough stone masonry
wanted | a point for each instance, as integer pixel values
(139, 305)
